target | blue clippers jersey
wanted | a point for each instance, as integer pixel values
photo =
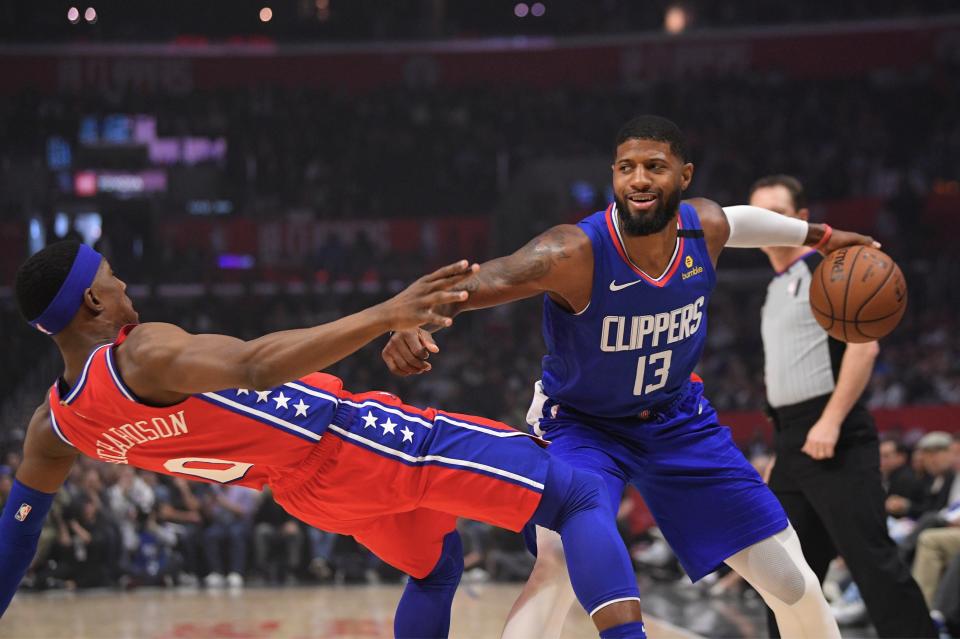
(637, 342)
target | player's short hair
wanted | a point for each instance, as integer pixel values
(653, 127)
(39, 278)
(792, 184)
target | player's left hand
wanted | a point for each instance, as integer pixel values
(821, 440)
(839, 239)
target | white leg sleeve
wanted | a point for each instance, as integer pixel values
(777, 569)
(542, 606)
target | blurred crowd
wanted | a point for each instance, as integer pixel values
(333, 156)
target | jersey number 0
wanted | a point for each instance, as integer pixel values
(219, 470)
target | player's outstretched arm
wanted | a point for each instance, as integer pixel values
(162, 363)
(745, 226)
(46, 462)
(559, 262)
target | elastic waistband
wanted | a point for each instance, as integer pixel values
(311, 464)
(649, 413)
(344, 415)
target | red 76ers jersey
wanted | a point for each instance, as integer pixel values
(233, 435)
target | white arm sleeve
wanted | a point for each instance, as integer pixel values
(753, 227)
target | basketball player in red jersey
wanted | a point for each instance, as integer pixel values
(218, 409)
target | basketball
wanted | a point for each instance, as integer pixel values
(858, 294)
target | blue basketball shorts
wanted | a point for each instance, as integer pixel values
(707, 499)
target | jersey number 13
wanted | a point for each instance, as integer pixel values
(659, 365)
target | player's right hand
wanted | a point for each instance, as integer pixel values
(839, 239)
(429, 300)
(407, 352)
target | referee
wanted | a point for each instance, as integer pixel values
(827, 469)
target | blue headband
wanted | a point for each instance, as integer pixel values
(70, 296)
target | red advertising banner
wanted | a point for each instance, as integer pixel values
(611, 62)
(747, 426)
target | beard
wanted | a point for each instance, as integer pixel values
(652, 221)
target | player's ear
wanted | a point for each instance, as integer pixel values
(686, 176)
(92, 301)
(804, 214)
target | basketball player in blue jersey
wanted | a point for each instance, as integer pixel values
(624, 320)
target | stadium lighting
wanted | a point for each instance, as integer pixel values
(538, 9)
(73, 15)
(90, 15)
(266, 14)
(521, 9)
(675, 20)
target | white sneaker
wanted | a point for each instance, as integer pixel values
(657, 554)
(188, 580)
(235, 580)
(213, 580)
(476, 575)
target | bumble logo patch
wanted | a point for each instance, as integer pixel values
(692, 270)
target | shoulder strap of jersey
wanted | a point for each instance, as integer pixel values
(693, 231)
(690, 222)
(55, 408)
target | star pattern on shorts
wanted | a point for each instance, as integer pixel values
(281, 400)
(262, 396)
(301, 408)
(369, 421)
(389, 427)
(243, 391)
(407, 434)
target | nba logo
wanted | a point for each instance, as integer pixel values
(23, 512)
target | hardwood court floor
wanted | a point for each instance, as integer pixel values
(361, 612)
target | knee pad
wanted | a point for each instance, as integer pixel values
(778, 573)
(776, 565)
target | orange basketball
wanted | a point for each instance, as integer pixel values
(858, 294)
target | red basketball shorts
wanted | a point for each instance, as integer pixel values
(397, 477)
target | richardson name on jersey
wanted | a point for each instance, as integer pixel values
(626, 333)
(113, 443)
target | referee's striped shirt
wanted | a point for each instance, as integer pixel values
(800, 360)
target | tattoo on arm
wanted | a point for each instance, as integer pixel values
(521, 274)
